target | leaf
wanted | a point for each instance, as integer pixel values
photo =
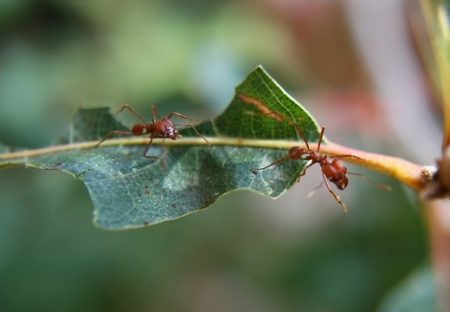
(436, 16)
(91, 124)
(4, 148)
(129, 190)
(416, 293)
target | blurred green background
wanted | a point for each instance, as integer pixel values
(245, 253)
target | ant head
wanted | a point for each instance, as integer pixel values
(172, 133)
(139, 129)
(296, 152)
(341, 182)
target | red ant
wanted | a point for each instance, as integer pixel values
(158, 128)
(332, 168)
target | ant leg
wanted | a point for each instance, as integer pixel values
(179, 115)
(196, 131)
(109, 135)
(338, 199)
(276, 162)
(199, 134)
(128, 107)
(164, 155)
(148, 147)
(346, 156)
(304, 171)
(190, 119)
(381, 186)
(314, 190)
(155, 114)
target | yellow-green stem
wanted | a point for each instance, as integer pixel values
(404, 171)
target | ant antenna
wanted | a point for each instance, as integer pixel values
(384, 187)
(276, 162)
(322, 131)
(300, 133)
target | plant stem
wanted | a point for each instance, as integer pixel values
(437, 25)
(403, 170)
(439, 226)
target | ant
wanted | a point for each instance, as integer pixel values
(332, 168)
(158, 128)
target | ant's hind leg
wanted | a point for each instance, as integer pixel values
(338, 199)
(155, 114)
(132, 111)
(109, 135)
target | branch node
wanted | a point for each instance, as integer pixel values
(427, 173)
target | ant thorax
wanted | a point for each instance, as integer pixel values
(163, 128)
(335, 171)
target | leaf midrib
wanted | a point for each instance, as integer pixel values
(403, 170)
(213, 141)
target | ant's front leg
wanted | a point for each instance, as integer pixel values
(338, 199)
(304, 171)
(148, 148)
(109, 135)
(191, 125)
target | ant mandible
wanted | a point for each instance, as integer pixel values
(158, 128)
(332, 168)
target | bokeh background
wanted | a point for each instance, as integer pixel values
(354, 64)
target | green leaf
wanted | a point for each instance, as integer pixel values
(437, 59)
(4, 148)
(91, 124)
(129, 190)
(417, 293)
